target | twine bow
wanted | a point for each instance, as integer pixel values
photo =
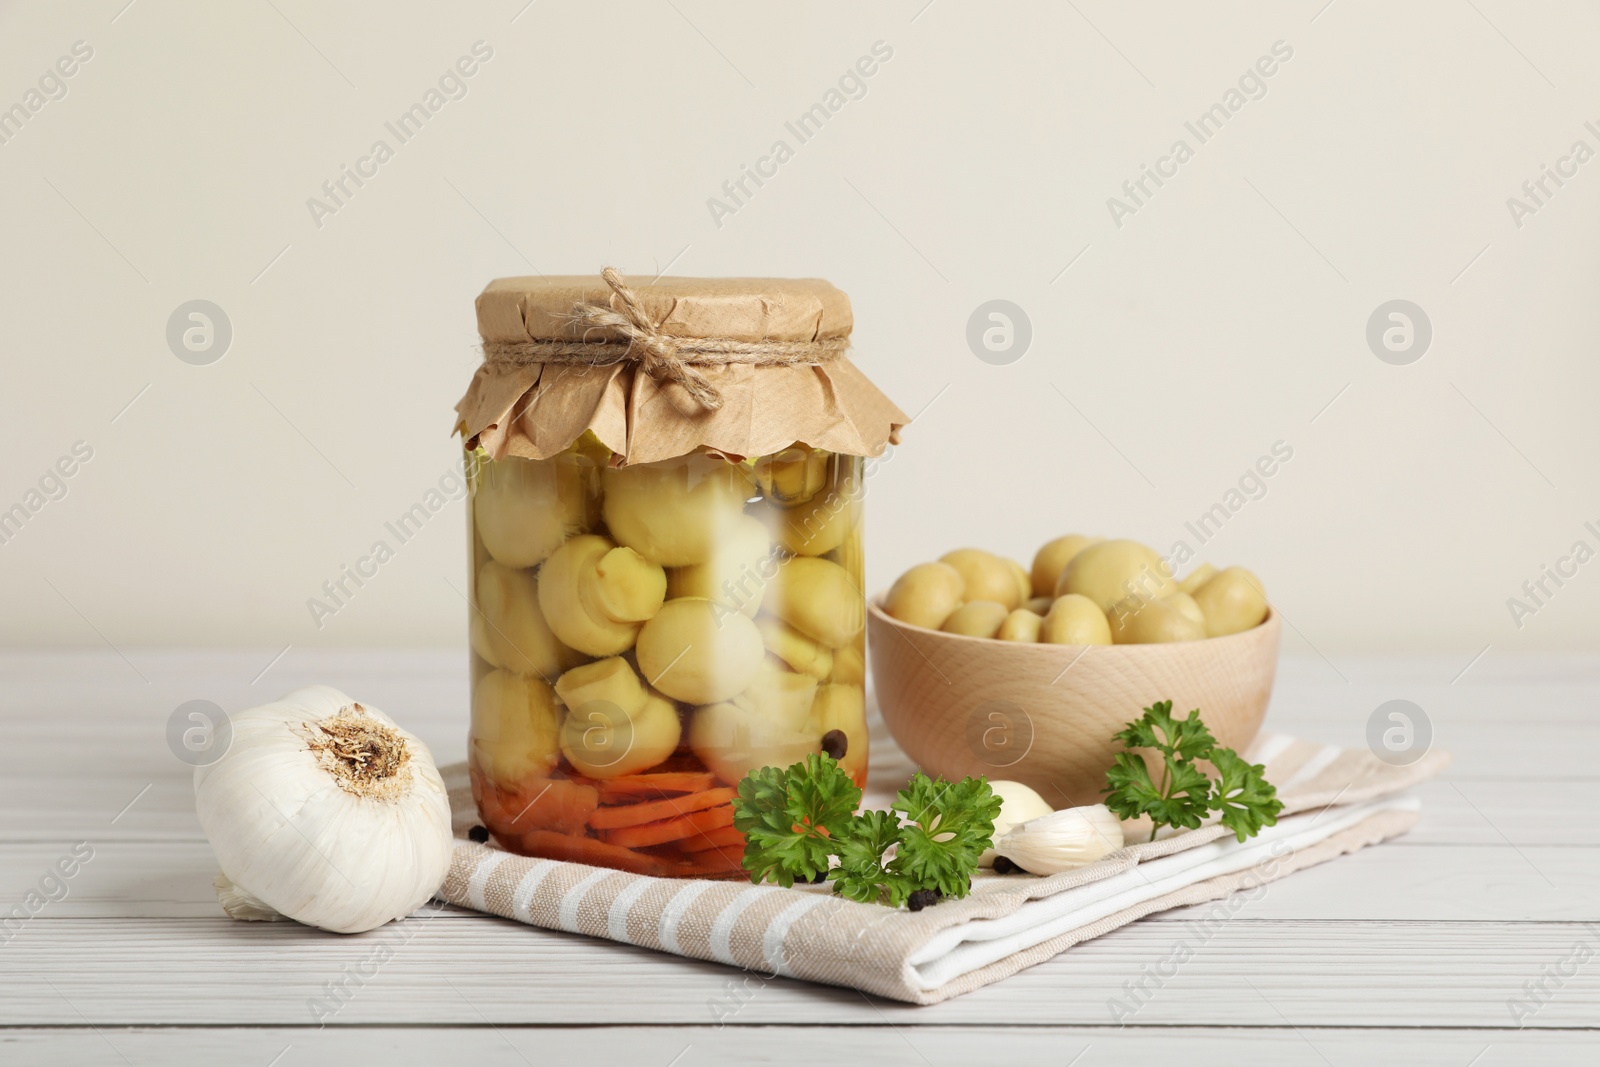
(661, 355)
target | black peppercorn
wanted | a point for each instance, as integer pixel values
(478, 834)
(1005, 866)
(922, 898)
(835, 743)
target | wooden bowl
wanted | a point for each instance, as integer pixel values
(1044, 714)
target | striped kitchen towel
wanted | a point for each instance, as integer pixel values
(1335, 801)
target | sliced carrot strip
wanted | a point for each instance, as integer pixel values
(725, 838)
(556, 805)
(613, 790)
(611, 818)
(534, 804)
(591, 851)
(658, 833)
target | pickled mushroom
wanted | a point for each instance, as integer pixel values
(977, 618)
(515, 722)
(738, 572)
(1185, 605)
(926, 595)
(1137, 621)
(611, 679)
(819, 526)
(1022, 626)
(523, 509)
(1052, 558)
(625, 587)
(1109, 571)
(985, 576)
(698, 651)
(675, 513)
(732, 741)
(795, 648)
(851, 554)
(849, 666)
(1074, 619)
(1231, 601)
(819, 598)
(1196, 578)
(508, 628)
(780, 694)
(792, 476)
(1020, 575)
(843, 708)
(593, 598)
(602, 740)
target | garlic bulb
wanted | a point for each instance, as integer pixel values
(1062, 840)
(325, 811)
(1018, 804)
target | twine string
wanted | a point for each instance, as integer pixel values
(660, 355)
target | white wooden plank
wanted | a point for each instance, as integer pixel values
(1396, 881)
(957, 1046)
(1260, 973)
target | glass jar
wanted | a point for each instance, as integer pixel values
(644, 635)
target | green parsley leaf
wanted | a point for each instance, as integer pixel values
(951, 824)
(1181, 802)
(1182, 739)
(864, 874)
(791, 817)
(1185, 795)
(797, 819)
(1243, 795)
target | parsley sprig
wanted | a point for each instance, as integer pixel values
(1185, 796)
(792, 818)
(796, 820)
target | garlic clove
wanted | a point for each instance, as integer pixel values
(1018, 804)
(1063, 840)
(241, 905)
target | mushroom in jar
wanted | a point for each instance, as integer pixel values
(698, 651)
(508, 628)
(674, 513)
(819, 598)
(595, 595)
(523, 509)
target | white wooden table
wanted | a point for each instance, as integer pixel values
(1410, 952)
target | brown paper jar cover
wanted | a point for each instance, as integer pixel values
(537, 410)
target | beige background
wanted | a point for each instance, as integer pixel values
(1227, 314)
